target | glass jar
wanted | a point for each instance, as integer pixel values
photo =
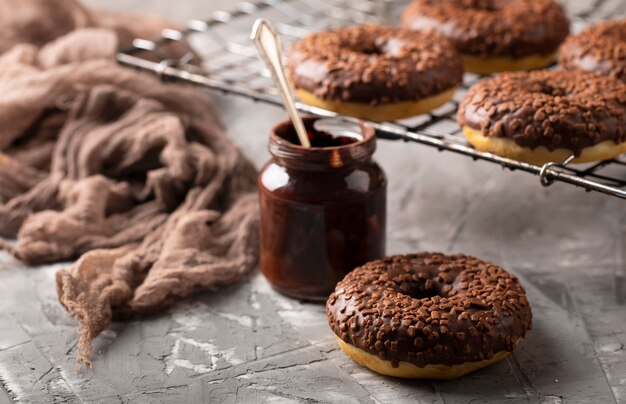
(323, 209)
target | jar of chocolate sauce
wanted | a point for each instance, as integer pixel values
(323, 209)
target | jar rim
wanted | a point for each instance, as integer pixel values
(367, 133)
(328, 156)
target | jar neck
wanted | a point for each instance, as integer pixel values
(337, 157)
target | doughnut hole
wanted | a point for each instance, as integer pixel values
(417, 285)
(378, 47)
(543, 87)
(419, 291)
(482, 5)
(370, 48)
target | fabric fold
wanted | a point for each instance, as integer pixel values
(134, 178)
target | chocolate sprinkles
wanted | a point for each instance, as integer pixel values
(492, 28)
(374, 64)
(555, 109)
(397, 309)
(600, 48)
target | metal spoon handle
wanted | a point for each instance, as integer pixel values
(268, 43)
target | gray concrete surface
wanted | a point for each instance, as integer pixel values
(249, 344)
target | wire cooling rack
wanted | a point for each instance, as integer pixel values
(229, 63)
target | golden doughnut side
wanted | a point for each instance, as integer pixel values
(381, 112)
(410, 371)
(489, 65)
(508, 148)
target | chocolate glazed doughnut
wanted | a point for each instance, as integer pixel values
(494, 35)
(544, 116)
(600, 48)
(428, 315)
(375, 72)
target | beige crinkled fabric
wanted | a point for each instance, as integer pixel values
(134, 178)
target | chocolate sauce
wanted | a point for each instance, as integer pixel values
(323, 210)
(318, 138)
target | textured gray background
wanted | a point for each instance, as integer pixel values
(249, 344)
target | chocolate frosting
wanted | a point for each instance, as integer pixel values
(374, 64)
(555, 109)
(600, 48)
(430, 308)
(493, 28)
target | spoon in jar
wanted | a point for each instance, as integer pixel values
(268, 44)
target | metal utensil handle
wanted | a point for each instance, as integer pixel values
(267, 42)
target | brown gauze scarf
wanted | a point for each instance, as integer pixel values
(134, 178)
